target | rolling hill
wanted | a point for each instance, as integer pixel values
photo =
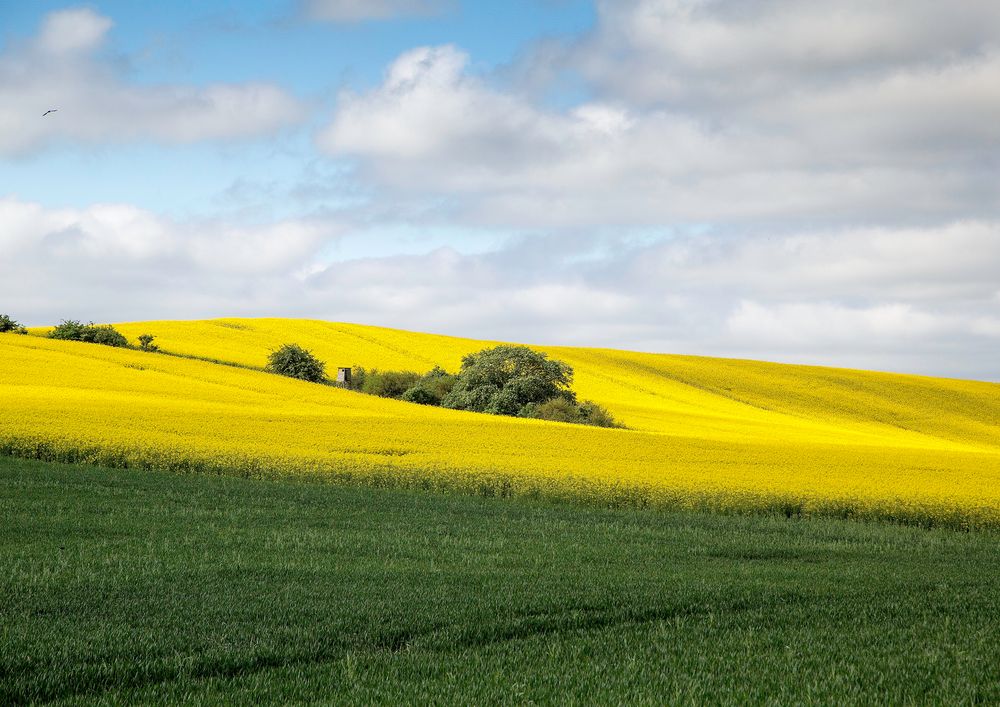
(704, 432)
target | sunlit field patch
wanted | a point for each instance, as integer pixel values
(738, 436)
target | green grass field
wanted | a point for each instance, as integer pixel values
(121, 586)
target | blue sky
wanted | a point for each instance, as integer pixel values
(200, 43)
(784, 180)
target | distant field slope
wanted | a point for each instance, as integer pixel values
(705, 432)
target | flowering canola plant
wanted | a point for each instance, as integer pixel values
(703, 432)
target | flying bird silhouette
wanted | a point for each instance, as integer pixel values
(51, 110)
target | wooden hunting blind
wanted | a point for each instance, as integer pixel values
(344, 376)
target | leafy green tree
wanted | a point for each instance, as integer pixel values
(296, 362)
(9, 325)
(505, 379)
(105, 334)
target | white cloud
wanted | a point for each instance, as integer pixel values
(950, 263)
(921, 146)
(61, 69)
(731, 51)
(362, 10)
(825, 324)
(121, 237)
(919, 300)
(75, 30)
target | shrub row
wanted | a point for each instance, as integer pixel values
(73, 330)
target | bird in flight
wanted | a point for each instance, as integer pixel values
(51, 110)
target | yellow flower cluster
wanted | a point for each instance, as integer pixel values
(704, 433)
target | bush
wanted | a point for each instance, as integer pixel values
(108, 336)
(296, 362)
(388, 384)
(421, 396)
(562, 409)
(432, 387)
(556, 410)
(9, 325)
(597, 415)
(358, 375)
(72, 330)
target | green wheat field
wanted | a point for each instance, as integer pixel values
(118, 586)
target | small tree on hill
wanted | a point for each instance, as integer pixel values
(146, 343)
(296, 362)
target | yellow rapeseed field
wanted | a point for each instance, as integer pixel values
(715, 433)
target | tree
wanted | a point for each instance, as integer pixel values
(146, 343)
(7, 324)
(296, 362)
(505, 380)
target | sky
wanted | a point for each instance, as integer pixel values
(770, 179)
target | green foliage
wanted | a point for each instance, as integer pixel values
(559, 409)
(105, 334)
(388, 384)
(146, 343)
(358, 376)
(69, 330)
(296, 362)
(518, 381)
(597, 415)
(9, 325)
(504, 379)
(563, 409)
(432, 387)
